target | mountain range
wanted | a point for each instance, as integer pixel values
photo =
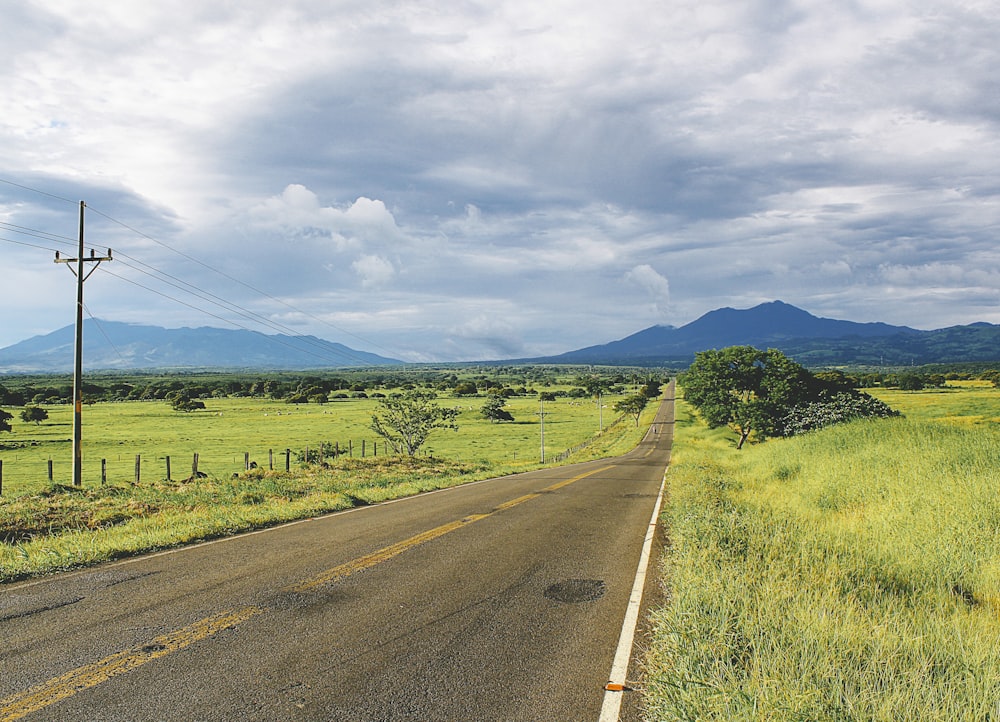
(810, 340)
(113, 345)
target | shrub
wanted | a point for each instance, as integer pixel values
(837, 409)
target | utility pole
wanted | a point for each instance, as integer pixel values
(78, 351)
(541, 417)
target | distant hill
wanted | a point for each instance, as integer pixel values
(112, 345)
(809, 339)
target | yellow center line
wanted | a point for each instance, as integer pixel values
(59, 688)
(346, 569)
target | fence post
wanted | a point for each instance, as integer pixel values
(1, 477)
(362, 448)
(168, 468)
(104, 472)
(136, 468)
(50, 470)
(246, 461)
(194, 465)
(307, 454)
(270, 459)
(350, 448)
(374, 448)
(288, 459)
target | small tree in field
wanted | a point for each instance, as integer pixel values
(494, 409)
(632, 405)
(405, 421)
(5, 421)
(35, 414)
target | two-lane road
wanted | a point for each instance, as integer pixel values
(498, 600)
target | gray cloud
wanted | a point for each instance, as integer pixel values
(507, 179)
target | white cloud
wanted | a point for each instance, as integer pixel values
(404, 168)
(652, 283)
(374, 271)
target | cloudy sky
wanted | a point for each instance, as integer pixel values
(499, 178)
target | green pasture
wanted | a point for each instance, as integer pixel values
(961, 403)
(229, 428)
(851, 573)
(48, 527)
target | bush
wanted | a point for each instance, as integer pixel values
(839, 408)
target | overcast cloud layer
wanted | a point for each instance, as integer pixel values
(499, 179)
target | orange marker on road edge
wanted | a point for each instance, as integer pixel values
(615, 687)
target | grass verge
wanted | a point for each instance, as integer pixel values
(847, 574)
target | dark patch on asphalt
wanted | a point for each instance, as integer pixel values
(575, 591)
(38, 610)
(638, 496)
(313, 601)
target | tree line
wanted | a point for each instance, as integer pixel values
(316, 387)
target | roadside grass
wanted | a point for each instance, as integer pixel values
(55, 527)
(847, 574)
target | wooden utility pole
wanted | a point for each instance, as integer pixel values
(78, 351)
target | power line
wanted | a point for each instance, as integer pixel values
(325, 357)
(25, 243)
(36, 190)
(239, 281)
(247, 314)
(36, 233)
(181, 284)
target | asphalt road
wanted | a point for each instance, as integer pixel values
(498, 600)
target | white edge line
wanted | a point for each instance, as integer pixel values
(611, 707)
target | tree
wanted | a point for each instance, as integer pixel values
(33, 413)
(182, 401)
(5, 421)
(494, 409)
(651, 389)
(405, 421)
(465, 388)
(746, 389)
(632, 405)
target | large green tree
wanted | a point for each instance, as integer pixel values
(405, 421)
(5, 421)
(747, 389)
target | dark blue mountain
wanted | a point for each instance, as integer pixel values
(112, 345)
(808, 339)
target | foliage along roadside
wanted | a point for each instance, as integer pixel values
(850, 573)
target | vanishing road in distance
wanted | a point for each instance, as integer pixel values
(497, 600)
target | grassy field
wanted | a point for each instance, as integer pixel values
(231, 427)
(49, 527)
(847, 574)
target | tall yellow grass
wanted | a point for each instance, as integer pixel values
(848, 574)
